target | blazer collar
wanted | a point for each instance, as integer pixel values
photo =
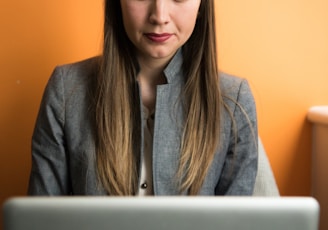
(173, 71)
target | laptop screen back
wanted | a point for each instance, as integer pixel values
(161, 213)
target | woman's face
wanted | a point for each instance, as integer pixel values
(158, 28)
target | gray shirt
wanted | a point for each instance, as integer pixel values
(63, 148)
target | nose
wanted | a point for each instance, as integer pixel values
(159, 13)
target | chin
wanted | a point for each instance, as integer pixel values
(162, 54)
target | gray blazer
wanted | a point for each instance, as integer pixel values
(63, 159)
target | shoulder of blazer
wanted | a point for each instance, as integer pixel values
(236, 91)
(78, 70)
(77, 78)
(229, 83)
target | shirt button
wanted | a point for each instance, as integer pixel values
(144, 185)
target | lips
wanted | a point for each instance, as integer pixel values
(159, 38)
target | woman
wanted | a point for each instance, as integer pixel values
(150, 116)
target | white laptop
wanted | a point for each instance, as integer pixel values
(161, 213)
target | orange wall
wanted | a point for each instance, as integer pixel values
(279, 45)
(34, 37)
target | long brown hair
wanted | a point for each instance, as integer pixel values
(118, 114)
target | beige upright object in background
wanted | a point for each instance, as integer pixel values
(318, 115)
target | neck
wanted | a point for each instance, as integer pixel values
(151, 70)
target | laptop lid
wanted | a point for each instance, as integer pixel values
(161, 213)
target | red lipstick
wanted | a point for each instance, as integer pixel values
(158, 37)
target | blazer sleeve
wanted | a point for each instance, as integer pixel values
(49, 173)
(240, 167)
